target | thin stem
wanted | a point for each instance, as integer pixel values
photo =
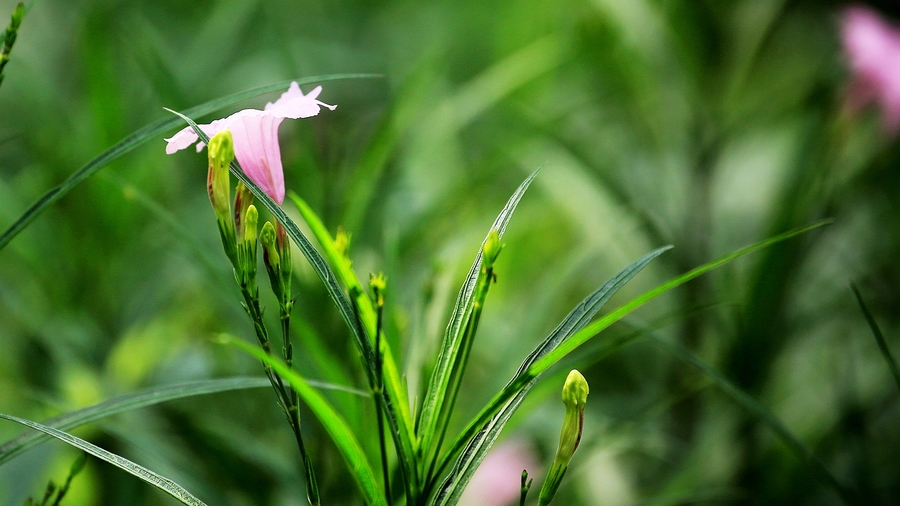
(379, 378)
(286, 396)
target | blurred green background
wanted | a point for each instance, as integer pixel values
(706, 125)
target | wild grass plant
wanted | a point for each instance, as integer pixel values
(737, 367)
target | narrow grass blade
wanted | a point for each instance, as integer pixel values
(762, 414)
(396, 399)
(476, 447)
(331, 420)
(142, 399)
(367, 315)
(538, 365)
(161, 482)
(879, 337)
(436, 392)
(136, 139)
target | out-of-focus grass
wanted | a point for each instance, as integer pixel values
(700, 124)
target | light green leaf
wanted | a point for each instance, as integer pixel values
(331, 420)
(141, 399)
(161, 482)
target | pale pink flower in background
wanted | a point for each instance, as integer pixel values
(255, 135)
(872, 46)
(497, 481)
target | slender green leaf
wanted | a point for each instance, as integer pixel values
(151, 131)
(879, 337)
(591, 330)
(509, 395)
(480, 442)
(436, 393)
(762, 414)
(331, 420)
(396, 394)
(161, 482)
(142, 399)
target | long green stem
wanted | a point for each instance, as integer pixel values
(380, 387)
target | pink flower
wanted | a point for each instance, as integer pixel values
(255, 135)
(498, 480)
(872, 45)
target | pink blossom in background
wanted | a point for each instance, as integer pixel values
(872, 46)
(497, 482)
(255, 135)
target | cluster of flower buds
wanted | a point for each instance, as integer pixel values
(239, 226)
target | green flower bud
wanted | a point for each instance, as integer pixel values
(574, 396)
(218, 181)
(271, 258)
(251, 219)
(378, 284)
(268, 241)
(242, 200)
(491, 248)
(342, 241)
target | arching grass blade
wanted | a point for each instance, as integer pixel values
(151, 131)
(762, 414)
(879, 337)
(142, 399)
(161, 482)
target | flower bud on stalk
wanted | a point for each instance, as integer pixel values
(218, 185)
(284, 251)
(246, 269)
(574, 396)
(492, 248)
(271, 258)
(242, 200)
(342, 241)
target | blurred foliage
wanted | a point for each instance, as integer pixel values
(703, 124)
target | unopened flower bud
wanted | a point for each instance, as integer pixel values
(272, 259)
(574, 396)
(251, 219)
(342, 241)
(242, 200)
(491, 248)
(268, 241)
(378, 284)
(218, 181)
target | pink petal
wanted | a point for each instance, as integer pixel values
(294, 104)
(497, 481)
(872, 45)
(256, 149)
